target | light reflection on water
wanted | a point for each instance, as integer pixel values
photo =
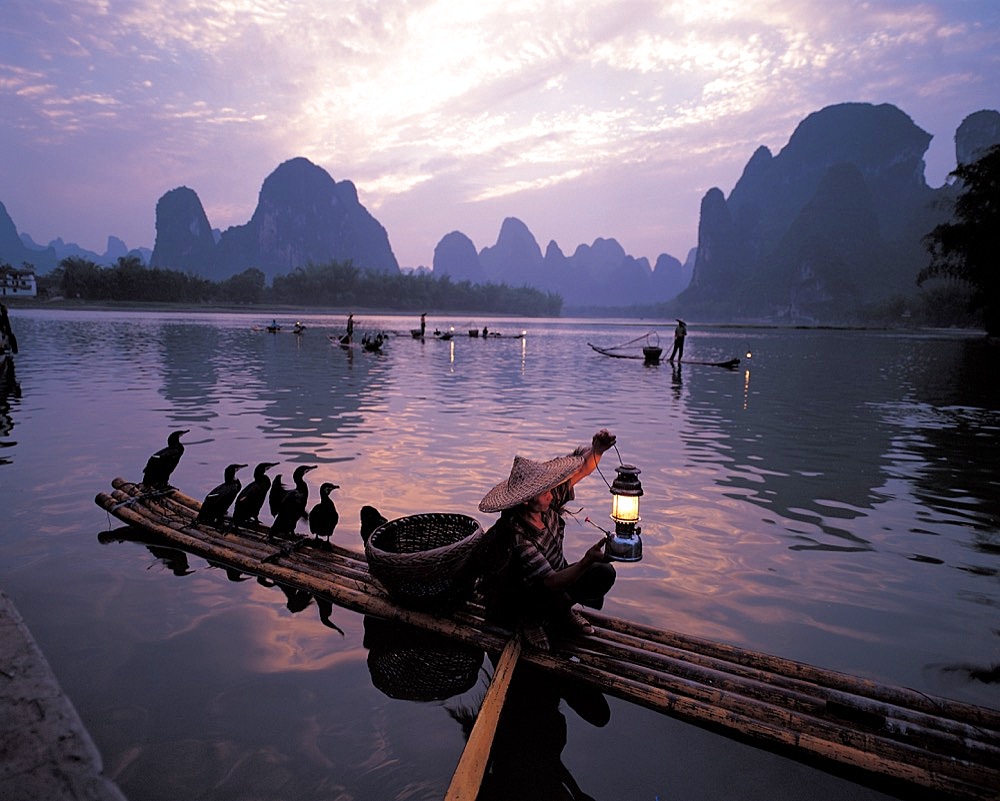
(833, 500)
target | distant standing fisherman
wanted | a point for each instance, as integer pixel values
(679, 333)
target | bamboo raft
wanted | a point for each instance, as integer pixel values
(651, 355)
(897, 739)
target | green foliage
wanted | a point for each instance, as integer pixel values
(128, 280)
(967, 248)
(346, 286)
(246, 287)
(340, 285)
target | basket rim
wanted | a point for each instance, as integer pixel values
(381, 553)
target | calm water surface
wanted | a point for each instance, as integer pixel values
(834, 500)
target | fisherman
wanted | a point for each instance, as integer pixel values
(531, 583)
(350, 329)
(679, 333)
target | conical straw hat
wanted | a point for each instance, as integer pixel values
(527, 479)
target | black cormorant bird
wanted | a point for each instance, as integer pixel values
(371, 519)
(218, 501)
(324, 516)
(162, 463)
(293, 505)
(277, 494)
(251, 499)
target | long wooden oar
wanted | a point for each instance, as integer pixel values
(472, 765)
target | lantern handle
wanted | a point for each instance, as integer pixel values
(620, 461)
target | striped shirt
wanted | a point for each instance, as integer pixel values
(539, 553)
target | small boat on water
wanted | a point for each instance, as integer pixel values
(894, 738)
(651, 352)
(487, 334)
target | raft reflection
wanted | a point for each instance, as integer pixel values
(526, 759)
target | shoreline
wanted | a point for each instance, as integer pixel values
(63, 304)
(48, 752)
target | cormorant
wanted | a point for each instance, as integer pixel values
(277, 494)
(371, 519)
(324, 516)
(218, 501)
(251, 499)
(293, 505)
(162, 463)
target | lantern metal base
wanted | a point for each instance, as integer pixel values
(624, 546)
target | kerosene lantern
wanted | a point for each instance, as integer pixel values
(625, 545)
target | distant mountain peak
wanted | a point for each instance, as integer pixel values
(302, 216)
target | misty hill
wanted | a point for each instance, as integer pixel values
(600, 274)
(303, 216)
(832, 224)
(17, 249)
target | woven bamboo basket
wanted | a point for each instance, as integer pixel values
(424, 560)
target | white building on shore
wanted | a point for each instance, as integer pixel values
(14, 282)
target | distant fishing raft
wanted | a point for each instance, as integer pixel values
(647, 348)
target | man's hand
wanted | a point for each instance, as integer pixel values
(603, 440)
(595, 553)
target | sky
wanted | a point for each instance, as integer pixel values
(582, 118)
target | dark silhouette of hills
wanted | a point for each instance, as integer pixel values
(303, 216)
(600, 274)
(831, 225)
(14, 252)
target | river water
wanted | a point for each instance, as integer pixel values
(834, 500)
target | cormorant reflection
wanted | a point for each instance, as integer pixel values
(176, 560)
(526, 758)
(296, 600)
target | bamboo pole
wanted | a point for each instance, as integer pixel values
(840, 702)
(468, 777)
(977, 782)
(942, 735)
(941, 707)
(850, 740)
